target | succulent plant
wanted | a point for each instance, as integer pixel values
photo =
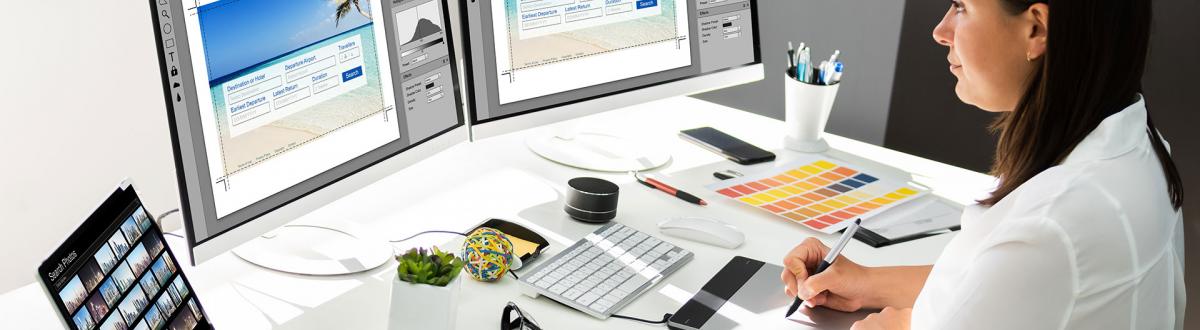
(432, 267)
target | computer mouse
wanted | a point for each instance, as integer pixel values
(703, 230)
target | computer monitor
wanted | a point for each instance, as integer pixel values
(534, 62)
(277, 108)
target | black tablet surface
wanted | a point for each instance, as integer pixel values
(116, 272)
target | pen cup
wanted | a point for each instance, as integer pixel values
(806, 111)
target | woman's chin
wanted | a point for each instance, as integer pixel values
(961, 91)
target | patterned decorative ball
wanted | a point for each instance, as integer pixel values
(488, 254)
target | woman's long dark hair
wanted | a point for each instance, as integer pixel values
(1095, 57)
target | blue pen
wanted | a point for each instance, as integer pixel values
(837, 73)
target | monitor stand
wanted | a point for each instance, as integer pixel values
(316, 250)
(596, 151)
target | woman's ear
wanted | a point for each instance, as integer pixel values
(1038, 18)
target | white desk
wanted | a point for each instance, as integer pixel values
(500, 178)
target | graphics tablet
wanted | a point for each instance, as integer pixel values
(746, 294)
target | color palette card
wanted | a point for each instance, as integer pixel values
(822, 194)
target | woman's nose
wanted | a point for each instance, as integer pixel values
(943, 33)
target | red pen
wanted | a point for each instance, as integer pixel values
(652, 183)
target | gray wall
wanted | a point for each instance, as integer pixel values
(867, 32)
(926, 117)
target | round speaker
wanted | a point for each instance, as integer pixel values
(591, 200)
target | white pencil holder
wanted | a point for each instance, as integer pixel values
(806, 112)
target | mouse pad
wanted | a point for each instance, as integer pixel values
(747, 294)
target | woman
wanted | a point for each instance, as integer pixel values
(1084, 230)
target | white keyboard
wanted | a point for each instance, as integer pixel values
(606, 270)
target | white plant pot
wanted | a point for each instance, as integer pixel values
(421, 306)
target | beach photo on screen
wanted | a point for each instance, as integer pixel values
(282, 73)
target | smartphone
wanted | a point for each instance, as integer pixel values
(727, 146)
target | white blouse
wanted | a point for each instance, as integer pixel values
(1092, 243)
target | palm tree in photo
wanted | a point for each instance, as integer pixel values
(343, 8)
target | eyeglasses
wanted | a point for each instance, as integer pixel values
(522, 321)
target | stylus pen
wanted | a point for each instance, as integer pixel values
(652, 183)
(828, 261)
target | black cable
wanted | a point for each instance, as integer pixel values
(666, 317)
(429, 232)
(174, 234)
(514, 274)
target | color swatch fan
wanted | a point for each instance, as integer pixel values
(821, 194)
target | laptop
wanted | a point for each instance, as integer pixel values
(117, 272)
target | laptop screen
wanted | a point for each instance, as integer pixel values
(116, 272)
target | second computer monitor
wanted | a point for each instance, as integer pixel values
(534, 62)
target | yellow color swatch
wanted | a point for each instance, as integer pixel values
(797, 174)
(824, 164)
(805, 185)
(766, 197)
(779, 193)
(751, 200)
(906, 191)
(792, 190)
(821, 208)
(894, 196)
(835, 204)
(860, 195)
(810, 169)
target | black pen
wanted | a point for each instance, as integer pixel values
(828, 261)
